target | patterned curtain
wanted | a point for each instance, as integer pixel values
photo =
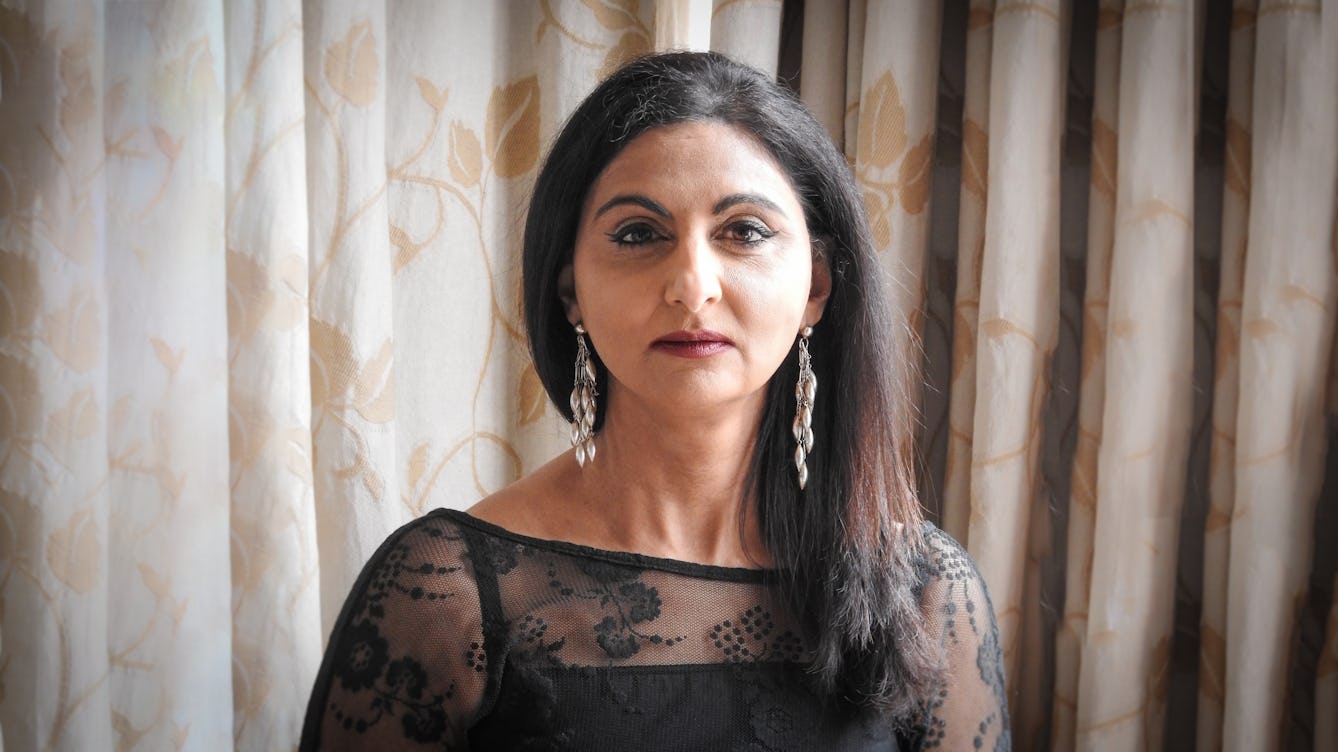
(259, 305)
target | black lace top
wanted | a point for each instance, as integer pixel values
(462, 635)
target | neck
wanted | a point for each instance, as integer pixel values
(675, 486)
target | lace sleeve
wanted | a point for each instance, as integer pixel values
(405, 666)
(970, 711)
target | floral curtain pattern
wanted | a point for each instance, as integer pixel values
(259, 305)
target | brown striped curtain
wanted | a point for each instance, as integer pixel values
(259, 305)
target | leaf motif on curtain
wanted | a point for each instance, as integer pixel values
(614, 15)
(466, 160)
(914, 176)
(1212, 652)
(74, 332)
(374, 388)
(340, 382)
(351, 65)
(1105, 156)
(882, 123)
(77, 419)
(261, 296)
(74, 551)
(882, 142)
(435, 98)
(975, 160)
(78, 101)
(20, 533)
(251, 679)
(21, 406)
(1238, 157)
(512, 129)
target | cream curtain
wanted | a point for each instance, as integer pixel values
(259, 305)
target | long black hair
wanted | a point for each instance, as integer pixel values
(847, 547)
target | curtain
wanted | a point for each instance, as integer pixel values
(259, 305)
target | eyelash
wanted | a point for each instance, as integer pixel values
(623, 236)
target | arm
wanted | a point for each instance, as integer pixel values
(404, 667)
(970, 711)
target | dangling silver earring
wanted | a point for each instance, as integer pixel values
(804, 392)
(583, 402)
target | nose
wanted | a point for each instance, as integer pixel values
(693, 274)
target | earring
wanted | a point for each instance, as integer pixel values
(804, 392)
(583, 402)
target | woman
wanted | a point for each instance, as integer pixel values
(732, 555)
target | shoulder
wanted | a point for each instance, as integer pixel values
(421, 571)
(946, 560)
(538, 504)
(409, 643)
(971, 707)
(952, 587)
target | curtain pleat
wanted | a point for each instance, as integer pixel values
(1226, 383)
(168, 443)
(55, 365)
(1145, 427)
(970, 257)
(894, 144)
(277, 632)
(1018, 312)
(260, 304)
(679, 24)
(1104, 160)
(349, 277)
(1287, 325)
(858, 10)
(823, 85)
(748, 31)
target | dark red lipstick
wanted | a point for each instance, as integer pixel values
(701, 343)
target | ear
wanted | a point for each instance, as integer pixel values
(820, 288)
(567, 292)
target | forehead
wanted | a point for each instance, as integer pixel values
(699, 159)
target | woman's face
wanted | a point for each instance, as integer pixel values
(693, 270)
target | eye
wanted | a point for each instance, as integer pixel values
(749, 232)
(636, 233)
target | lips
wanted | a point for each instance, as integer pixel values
(702, 343)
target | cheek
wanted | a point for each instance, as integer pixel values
(779, 297)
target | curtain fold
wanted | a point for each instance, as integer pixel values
(167, 436)
(1082, 501)
(1145, 425)
(1226, 384)
(260, 305)
(1287, 327)
(277, 630)
(894, 143)
(748, 31)
(1018, 313)
(823, 86)
(55, 367)
(972, 205)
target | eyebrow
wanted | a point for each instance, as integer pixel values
(635, 199)
(746, 198)
(733, 199)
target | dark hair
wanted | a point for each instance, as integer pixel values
(847, 547)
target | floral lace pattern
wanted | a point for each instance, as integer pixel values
(462, 635)
(382, 683)
(970, 637)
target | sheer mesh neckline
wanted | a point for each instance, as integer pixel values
(623, 558)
